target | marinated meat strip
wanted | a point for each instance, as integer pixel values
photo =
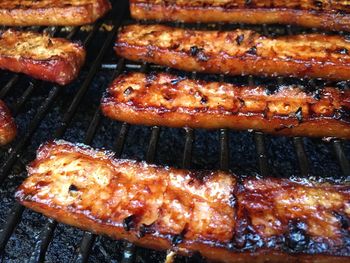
(332, 15)
(238, 52)
(40, 56)
(51, 12)
(8, 127)
(169, 100)
(224, 217)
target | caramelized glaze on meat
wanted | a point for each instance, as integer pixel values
(224, 217)
(40, 56)
(8, 128)
(237, 52)
(51, 12)
(169, 100)
(333, 15)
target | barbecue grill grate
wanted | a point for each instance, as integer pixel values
(38, 107)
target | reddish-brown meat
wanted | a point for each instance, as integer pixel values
(239, 52)
(225, 218)
(8, 128)
(333, 15)
(40, 56)
(51, 12)
(169, 100)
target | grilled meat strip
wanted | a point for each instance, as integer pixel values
(8, 127)
(237, 52)
(222, 216)
(333, 15)
(51, 12)
(40, 56)
(169, 100)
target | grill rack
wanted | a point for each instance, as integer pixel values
(119, 14)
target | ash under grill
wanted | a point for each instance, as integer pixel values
(44, 111)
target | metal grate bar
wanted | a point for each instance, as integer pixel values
(261, 152)
(85, 247)
(341, 157)
(302, 156)
(224, 150)
(119, 143)
(11, 222)
(152, 147)
(9, 86)
(43, 241)
(16, 108)
(186, 161)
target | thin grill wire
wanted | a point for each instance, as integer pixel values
(130, 252)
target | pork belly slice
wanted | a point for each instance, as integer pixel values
(238, 52)
(332, 15)
(8, 129)
(176, 101)
(52, 12)
(41, 56)
(224, 217)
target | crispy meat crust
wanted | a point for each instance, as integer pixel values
(51, 12)
(333, 15)
(8, 127)
(168, 100)
(237, 52)
(40, 56)
(225, 218)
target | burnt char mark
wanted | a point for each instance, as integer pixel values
(240, 39)
(318, 4)
(73, 188)
(342, 85)
(200, 176)
(296, 239)
(343, 51)
(317, 94)
(151, 78)
(252, 51)
(145, 229)
(342, 114)
(198, 53)
(299, 114)
(178, 239)
(194, 51)
(129, 223)
(343, 219)
(204, 99)
(128, 91)
(271, 89)
(246, 238)
(177, 80)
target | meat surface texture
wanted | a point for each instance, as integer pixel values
(238, 52)
(224, 217)
(332, 15)
(8, 127)
(170, 100)
(41, 56)
(51, 12)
